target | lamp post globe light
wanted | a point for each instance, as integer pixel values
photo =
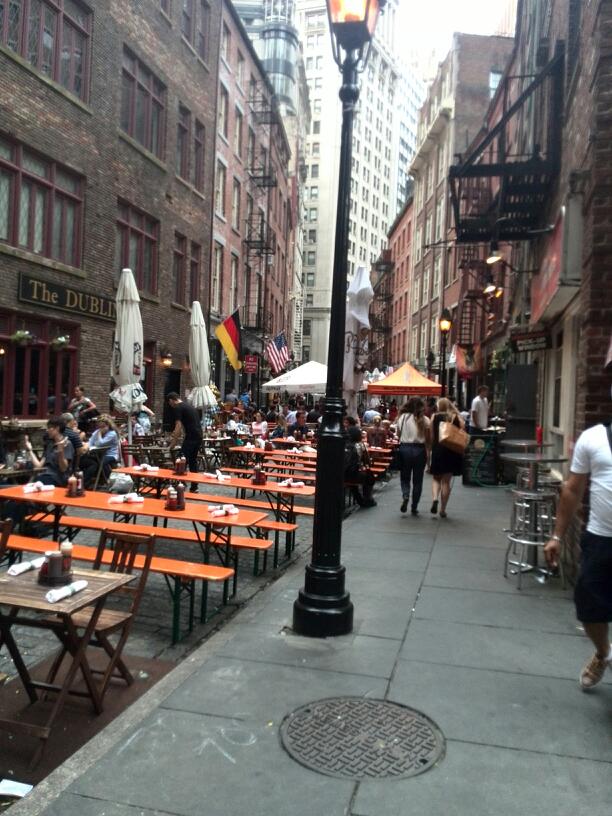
(445, 324)
(323, 607)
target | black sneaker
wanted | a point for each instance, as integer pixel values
(414, 511)
(434, 507)
(404, 506)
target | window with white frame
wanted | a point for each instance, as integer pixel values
(433, 334)
(216, 280)
(435, 289)
(414, 343)
(416, 294)
(423, 350)
(425, 292)
(418, 245)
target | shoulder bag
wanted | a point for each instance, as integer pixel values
(452, 437)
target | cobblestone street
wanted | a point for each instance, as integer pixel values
(151, 635)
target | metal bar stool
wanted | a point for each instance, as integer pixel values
(531, 524)
(522, 543)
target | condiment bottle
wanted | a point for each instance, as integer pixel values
(55, 564)
(72, 486)
(66, 551)
(171, 501)
(180, 496)
(79, 482)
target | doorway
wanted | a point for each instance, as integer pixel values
(172, 382)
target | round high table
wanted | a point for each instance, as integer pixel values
(533, 461)
(525, 444)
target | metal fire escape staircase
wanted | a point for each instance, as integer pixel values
(500, 190)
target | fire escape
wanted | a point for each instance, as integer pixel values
(380, 311)
(501, 189)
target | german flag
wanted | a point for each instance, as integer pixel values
(228, 334)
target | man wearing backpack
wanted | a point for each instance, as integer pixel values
(593, 593)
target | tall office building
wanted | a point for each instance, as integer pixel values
(379, 166)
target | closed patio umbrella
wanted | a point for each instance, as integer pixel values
(199, 358)
(127, 362)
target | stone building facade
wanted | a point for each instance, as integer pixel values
(107, 134)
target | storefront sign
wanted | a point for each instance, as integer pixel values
(250, 363)
(46, 293)
(531, 341)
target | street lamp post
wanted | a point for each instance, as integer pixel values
(323, 607)
(445, 324)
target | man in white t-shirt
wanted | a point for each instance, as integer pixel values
(593, 593)
(479, 413)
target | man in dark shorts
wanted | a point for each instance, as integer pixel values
(186, 419)
(593, 593)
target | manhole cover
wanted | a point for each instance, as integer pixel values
(357, 738)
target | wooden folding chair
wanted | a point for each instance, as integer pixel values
(124, 557)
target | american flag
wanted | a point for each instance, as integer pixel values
(277, 353)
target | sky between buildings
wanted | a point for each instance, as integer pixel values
(427, 26)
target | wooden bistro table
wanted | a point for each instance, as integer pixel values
(22, 595)
(201, 518)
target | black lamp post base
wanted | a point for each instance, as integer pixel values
(323, 607)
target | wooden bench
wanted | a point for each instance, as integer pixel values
(184, 573)
(257, 544)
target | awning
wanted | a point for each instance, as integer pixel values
(405, 380)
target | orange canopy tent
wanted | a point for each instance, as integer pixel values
(405, 380)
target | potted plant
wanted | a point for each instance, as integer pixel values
(22, 337)
(60, 342)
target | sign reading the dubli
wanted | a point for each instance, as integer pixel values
(46, 293)
(250, 363)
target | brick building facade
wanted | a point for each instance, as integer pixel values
(107, 128)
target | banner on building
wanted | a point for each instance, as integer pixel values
(469, 360)
(229, 335)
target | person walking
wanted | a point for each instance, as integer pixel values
(187, 420)
(592, 466)
(445, 463)
(413, 429)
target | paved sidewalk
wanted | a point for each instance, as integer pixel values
(436, 627)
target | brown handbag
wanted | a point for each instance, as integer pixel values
(453, 438)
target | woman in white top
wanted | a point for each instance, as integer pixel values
(259, 426)
(414, 438)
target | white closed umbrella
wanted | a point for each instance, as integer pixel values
(201, 395)
(127, 360)
(357, 326)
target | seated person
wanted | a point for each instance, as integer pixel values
(377, 435)
(142, 417)
(57, 457)
(299, 429)
(76, 437)
(356, 468)
(280, 432)
(105, 435)
(259, 426)
(370, 414)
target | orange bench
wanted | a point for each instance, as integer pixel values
(184, 573)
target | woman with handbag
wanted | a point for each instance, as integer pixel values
(446, 452)
(413, 430)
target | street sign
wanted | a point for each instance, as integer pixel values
(251, 364)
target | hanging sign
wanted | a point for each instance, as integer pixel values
(531, 341)
(250, 364)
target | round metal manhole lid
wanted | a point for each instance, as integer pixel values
(362, 738)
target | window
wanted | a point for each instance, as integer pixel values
(239, 69)
(216, 280)
(236, 190)
(416, 294)
(414, 342)
(178, 268)
(198, 156)
(41, 204)
(187, 20)
(250, 157)
(195, 265)
(183, 131)
(305, 354)
(310, 279)
(425, 292)
(314, 193)
(311, 258)
(418, 245)
(423, 338)
(314, 171)
(225, 43)
(143, 105)
(494, 80)
(312, 214)
(310, 300)
(316, 126)
(436, 277)
(233, 305)
(440, 219)
(220, 180)
(238, 133)
(223, 113)
(433, 334)
(316, 106)
(306, 328)
(137, 245)
(312, 236)
(203, 37)
(52, 35)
